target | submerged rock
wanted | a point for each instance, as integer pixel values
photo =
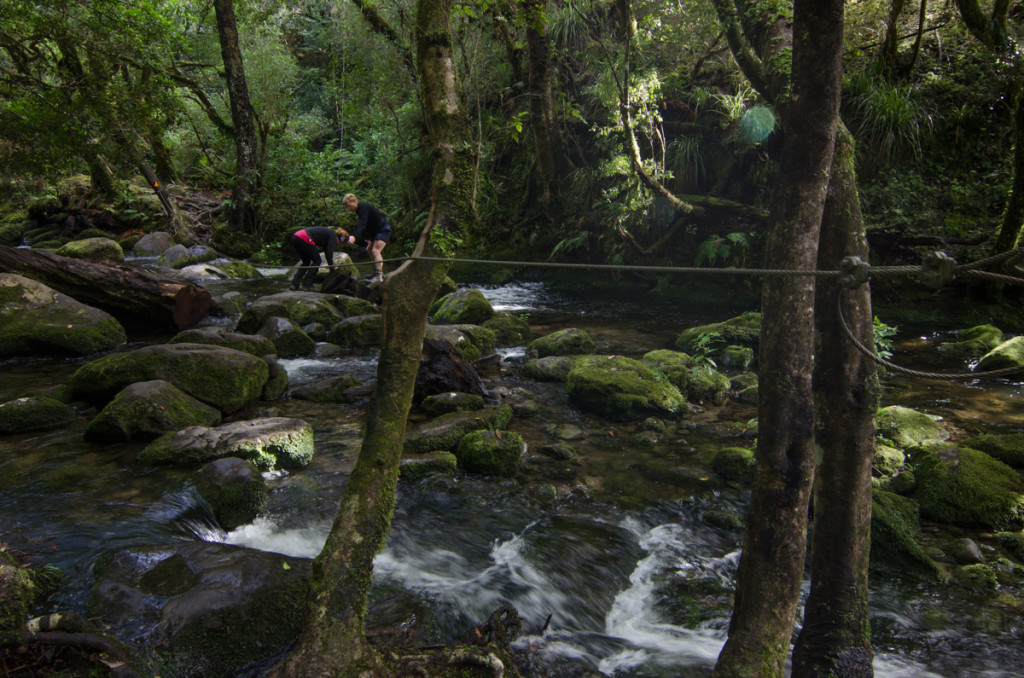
(234, 489)
(275, 442)
(491, 453)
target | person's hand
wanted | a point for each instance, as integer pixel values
(351, 240)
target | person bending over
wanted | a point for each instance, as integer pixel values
(307, 243)
(372, 229)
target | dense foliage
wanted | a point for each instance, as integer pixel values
(100, 88)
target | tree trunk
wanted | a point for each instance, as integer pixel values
(138, 299)
(243, 208)
(542, 100)
(835, 639)
(333, 640)
(1013, 217)
(891, 42)
(771, 565)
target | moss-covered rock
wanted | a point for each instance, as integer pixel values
(10, 234)
(549, 368)
(463, 306)
(93, 249)
(888, 460)
(234, 489)
(438, 463)
(1006, 447)
(734, 463)
(509, 329)
(34, 413)
(895, 520)
(274, 442)
(470, 341)
(973, 343)
(360, 330)
(445, 432)
(570, 341)
(743, 330)
(329, 390)
(223, 377)
(242, 270)
(734, 357)
(15, 598)
(37, 320)
(962, 486)
(443, 403)
(978, 577)
(697, 382)
(227, 239)
(902, 427)
(1012, 544)
(277, 381)
(154, 244)
(1010, 353)
(148, 409)
(352, 306)
(491, 453)
(253, 344)
(288, 338)
(622, 389)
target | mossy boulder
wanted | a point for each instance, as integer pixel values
(962, 486)
(34, 413)
(491, 453)
(301, 308)
(230, 241)
(223, 377)
(743, 330)
(443, 403)
(549, 368)
(734, 357)
(973, 343)
(697, 382)
(438, 463)
(277, 382)
(509, 329)
(902, 427)
(471, 341)
(622, 389)
(352, 306)
(735, 464)
(979, 578)
(895, 520)
(148, 409)
(288, 338)
(10, 234)
(37, 320)
(888, 460)
(1006, 447)
(234, 489)
(570, 341)
(1012, 544)
(253, 344)
(1010, 353)
(360, 330)
(93, 249)
(463, 306)
(241, 270)
(154, 244)
(329, 390)
(274, 442)
(445, 432)
(15, 598)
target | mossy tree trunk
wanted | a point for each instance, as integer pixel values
(333, 640)
(774, 546)
(542, 100)
(836, 639)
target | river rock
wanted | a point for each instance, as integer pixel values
(734, 463)
(509, 329)
(570, 341)
(37, 320)
(961, 486)
(445, 432)
(743, 330)
(491, 453)
(902, 427)
(288, 338)
(895, 520)
(443, 369)
(964, 551)
(329, 390)
(360, 330)
(452, 401)
(153, 244)
(973, 343)
(34, 413)
(213, 609)
(273, 442)
(466, 305)
(223, 377)
(93, 249)
(148, 409)
(301, 308)
(234, 489)
(622, 389)
(698, 382)
(277, 381)
(472, 341)
(1006, 447)
(253, 344)
(431, 464)
(15, 598)
(549, 368)
(1010, 353)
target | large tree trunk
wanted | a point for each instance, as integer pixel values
(1013, 217)
(243, 208)
(835, 639)
(333, 640)
(542, 100)
(774, 547)
(137, 298)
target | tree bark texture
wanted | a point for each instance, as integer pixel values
(1013, 217)
(243, 211)
(836, 639)
(771, 565)
(137, 298)
(333, 640)
(542, 99)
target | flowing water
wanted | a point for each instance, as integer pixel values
(620, 561)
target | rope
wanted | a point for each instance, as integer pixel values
(916, 373)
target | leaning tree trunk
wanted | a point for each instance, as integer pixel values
(836, 639)
(243, 209)
(333, 640)
(774, 546)
(135, 297)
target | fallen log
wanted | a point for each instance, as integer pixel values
(139, 299)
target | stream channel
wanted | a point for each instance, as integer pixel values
(627, 552)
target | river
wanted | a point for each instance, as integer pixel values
(620, 562)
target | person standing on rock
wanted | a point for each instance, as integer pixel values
(307, 243)
(372, 229)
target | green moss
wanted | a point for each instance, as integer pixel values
(743, 330)
(622, 389)
(894, 523)
(570, 341)
(34, 414)
(902, 427)
(464, 306)
(445, 432)
(509, 329)
(734, 463)
(491, 453)
(1007, 448)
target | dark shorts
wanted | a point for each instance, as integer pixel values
(383, 234)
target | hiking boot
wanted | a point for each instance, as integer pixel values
(376, 278)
